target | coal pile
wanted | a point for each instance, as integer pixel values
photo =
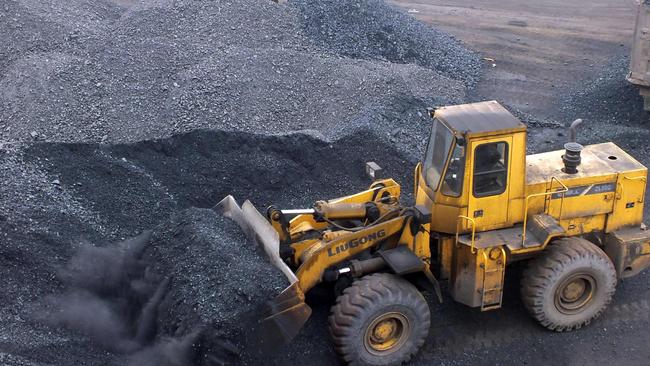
(79, 198)
(108, 295)
(373, 29)
(611, 108)
(190, 293)
(219, 282)
(115, 114)
(607, 99)
(114, 71)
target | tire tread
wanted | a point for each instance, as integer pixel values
(542, 271)
(350, 307)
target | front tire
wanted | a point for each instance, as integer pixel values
(380, 319)
(569, 285)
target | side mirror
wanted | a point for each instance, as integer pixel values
(460, 141)
(373, 170)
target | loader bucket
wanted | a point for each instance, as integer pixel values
(287, 313)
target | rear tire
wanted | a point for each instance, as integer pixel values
(569, 285)
(380, 319)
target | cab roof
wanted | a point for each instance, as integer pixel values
(483, 118)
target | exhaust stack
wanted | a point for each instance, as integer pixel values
(571, 157)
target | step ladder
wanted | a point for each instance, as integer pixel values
(493, 279)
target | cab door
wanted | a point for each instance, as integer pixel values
(489, 179)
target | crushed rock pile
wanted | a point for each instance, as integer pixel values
(188, 293)
(116, 71)
(114, 114)
(373, 29)
(611, 109)
(607, 99)
(80, 193)
(219, 283)
(72, 193)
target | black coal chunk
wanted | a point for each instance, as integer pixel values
(219, 282)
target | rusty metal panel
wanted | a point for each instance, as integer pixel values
(640, 57)
(477, 277)
(629, 250)
(605, 194)
(465, 274)
(445, 255)
(493, 267)
(584, 224)
(592, 191)
(598, 160)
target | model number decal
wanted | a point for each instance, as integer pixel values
(602, 188)
(585, 190)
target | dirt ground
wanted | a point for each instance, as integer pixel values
(540, 48)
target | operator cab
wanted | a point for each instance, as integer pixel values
(465, 172)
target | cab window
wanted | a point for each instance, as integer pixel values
(490, 169)
(452, 185)
(437, 153)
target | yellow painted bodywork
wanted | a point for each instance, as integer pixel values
(606, 196)
(578, 214)
(585, 210)
(304, 223)
(503, 210)
(324, 254)
(313, 256)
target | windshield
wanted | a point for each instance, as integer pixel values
(437, 151)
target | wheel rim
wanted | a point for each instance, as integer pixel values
(575, 293)
(386, 333)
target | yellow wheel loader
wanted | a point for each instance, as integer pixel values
(481, 203)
